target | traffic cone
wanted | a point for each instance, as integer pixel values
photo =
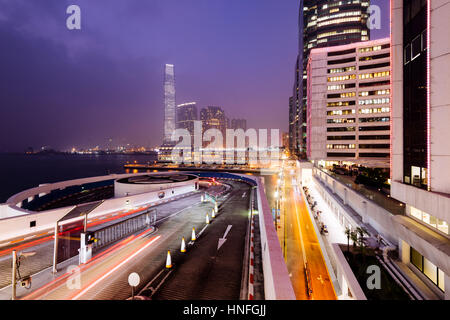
(193, 235)
(168, 261)
(213, 214)
(183, 245)
(207, 218)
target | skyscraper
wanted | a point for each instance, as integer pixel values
(239, 124)
(165, 150)
(169, 103)
(322, 23)
(186, 115)
(213, 118)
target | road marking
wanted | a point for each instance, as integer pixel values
(94, 283)
(223, 239)
(320, 279)
(243, 195)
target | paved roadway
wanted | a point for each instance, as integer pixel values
(105, 277)
(299, 243)
(207, 272)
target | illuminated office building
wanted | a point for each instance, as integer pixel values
(239, 124)
(186, 115)
(165, 153)
(348, 106)
(322, 23)
(214, 118)
(169, 102)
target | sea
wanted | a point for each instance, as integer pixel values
(19, 172)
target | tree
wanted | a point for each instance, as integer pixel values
(348, 233)
(354, 237)
(360, 232)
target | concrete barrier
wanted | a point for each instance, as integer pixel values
(346, 278)
(277, 283)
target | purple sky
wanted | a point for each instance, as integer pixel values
(66, 88)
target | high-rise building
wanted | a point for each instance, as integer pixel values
(213, 118)
(239, 124)
(420, 173)
(169, 102)
(322, 23)
(186, 115)
(165, 150)
(348, 106)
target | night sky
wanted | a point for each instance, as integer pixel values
(63, 88)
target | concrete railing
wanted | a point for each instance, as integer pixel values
(23, 225)
(371, 213)
(345, 276)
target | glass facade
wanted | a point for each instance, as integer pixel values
(430, 220)
(415, 93)
(425, 266)
(169, 103)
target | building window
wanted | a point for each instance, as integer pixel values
(416, 259)
(418, 177)
(427, 268)
(429, 220)
(430, 270)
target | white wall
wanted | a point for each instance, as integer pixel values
(18, 223)
(124, 189)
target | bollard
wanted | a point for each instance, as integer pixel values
(168, 260)
(193, 235)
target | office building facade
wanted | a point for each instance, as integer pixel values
(186, 115)
(213, 117)
(348, 104)
(238, 124)
(322, 23)
(420, 170)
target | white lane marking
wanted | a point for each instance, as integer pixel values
(223, 239)
(115, 268)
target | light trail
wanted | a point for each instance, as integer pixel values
(111, 271)
(90, 263)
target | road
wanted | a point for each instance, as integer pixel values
(300, 244)
(105, 276)
(212, 268)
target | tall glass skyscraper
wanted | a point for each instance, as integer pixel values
(322, 23)
(169, 103)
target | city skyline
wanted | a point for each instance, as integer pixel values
(82, 87)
